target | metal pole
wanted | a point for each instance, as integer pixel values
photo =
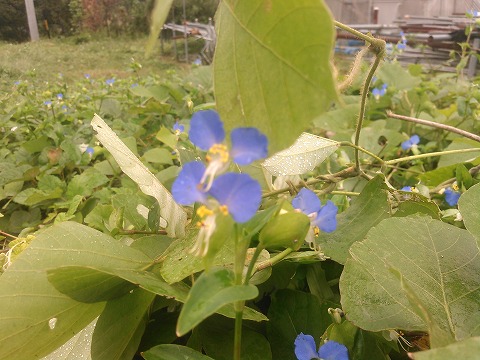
(32, 20)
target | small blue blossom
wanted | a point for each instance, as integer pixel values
(47, 103)
(406, 188)
(451, 196)
(305, 349)
(110, 82)
(322, 218)
(87, 76)
(178, 128)
(134, 85)
(413, 141)
(379, 92)
(197, 61)
(60, 96)
(64, 108)
(17, 82)
(90, 151)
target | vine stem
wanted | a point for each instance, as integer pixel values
(452, 129)
(272, 261)
(359, 148)
(439, 153)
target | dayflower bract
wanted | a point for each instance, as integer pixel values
(306, 349)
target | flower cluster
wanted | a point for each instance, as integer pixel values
(322, 218)
(234, 194)
(402, 44)
(305, 349)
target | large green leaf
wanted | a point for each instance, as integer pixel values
(29, 303)
(468, 204)
(466, 350)
(212, 290)
(273, 65)
(173, 352)
(120, 327)
(437, 261)
(366, 211)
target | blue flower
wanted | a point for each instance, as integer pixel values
(89, 150)
(451, 196)
(406, 188)
(134, 85)
(305, 349)
(321, 217)
(60, 96)
(109, 82)
(207, 133)
(17, 82)
(47, 103)
(379, 92)
(178, 128)
(407, 144)
(87, 76)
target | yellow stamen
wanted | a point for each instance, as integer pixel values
(316, 231)
(455, 186)
(224, 209)
(203, 211)
(218, 151)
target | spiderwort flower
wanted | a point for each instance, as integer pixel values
(413, 141)
(110, 82)
(60, 96)
(321, 217)
(305, 349)
(207, 133)
(48, 103)
(452, 195)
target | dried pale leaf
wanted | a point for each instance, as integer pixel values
(173, 213)
(303, 156)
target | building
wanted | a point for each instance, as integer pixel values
(362, 11)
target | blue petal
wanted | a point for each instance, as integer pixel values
(240, 193)
(305, 348)
(178, 127)
(451, 197)
(206, 129)
(415, 139)
(407, 144)
(333, 350)
(248, 145)
(307, 202)
(326, 218)
(406, 188)
(185, 188)
(376, 92)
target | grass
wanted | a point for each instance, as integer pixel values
(101, 58)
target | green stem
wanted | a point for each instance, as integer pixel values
(237, 345)
(439, 153)
(272, 261)
(255, 256)
(359, 148)
(357, 33)
(241, 246)
(347, 193)
(363, 104)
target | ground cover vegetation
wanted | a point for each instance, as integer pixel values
(170, 227)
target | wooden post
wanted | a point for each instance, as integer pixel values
(32, 20)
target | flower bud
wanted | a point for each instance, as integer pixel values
(285, 231)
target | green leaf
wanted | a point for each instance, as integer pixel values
(173, 213)
(418, 205)
(466, 350)
(173, 352)
(29, 301)
(393, 74)
(37, 145)
(260, 80)
(290, 313)
(457, 144)
(158, 156)
(167, 137)
(211, 291)
(303, 156)
(86, 284)
(85, 183)
(159, 15)
(120, 327)
(33, 196)
(367, 210)
(439, 262)
(468, 204)
(464, 178)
